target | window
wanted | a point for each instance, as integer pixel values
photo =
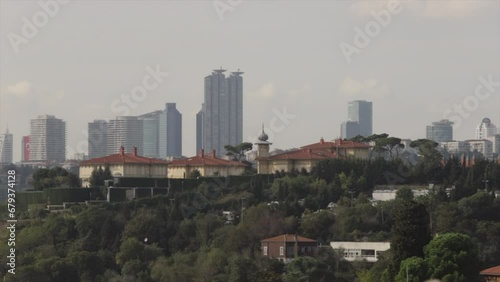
(265, 250)
(282, 251)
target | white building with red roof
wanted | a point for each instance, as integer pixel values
(307, 156)
(206, 164)
(124, 165)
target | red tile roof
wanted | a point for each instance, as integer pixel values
(122, 159)
(206, 160)
(304, 154)
(494, 271)
(289, 238)
(341, 144)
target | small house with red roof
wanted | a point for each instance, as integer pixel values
(207, 164)
(491, 274)
(287, 247)
(124, 165)
(307, 156)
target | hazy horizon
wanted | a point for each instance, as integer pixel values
(430, 56)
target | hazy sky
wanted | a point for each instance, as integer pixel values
(417, 66)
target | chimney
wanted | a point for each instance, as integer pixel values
(322, 141)
(134, 151)
(212, 153)
(122, 151)
(202, 153)
(340, 141)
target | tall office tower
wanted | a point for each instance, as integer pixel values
(97, 138)
(349, 129)
(361, 112)
(440, 131)
(124, 131)
(170, 132)
(222, 111)
(150, 129)
(48, 139)
(25, 148)
(6, 145)
(486, 129)
(199, 130)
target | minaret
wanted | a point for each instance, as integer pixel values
(263, 152)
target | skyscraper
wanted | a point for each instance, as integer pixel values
(150, 129)
(440, 131)
(97, 138)
(359, 120)
(6, 145)
(486, 129)
(222, 111)
(361, 112)
(48, 139)
(199, 130)
(124, 131)
(170, 132)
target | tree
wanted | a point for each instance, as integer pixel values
(304, 269)
(238, 152)
(414, 269)
(99, 175)
(410, 233)
(195, 174)
(453, 257)
(54, 177)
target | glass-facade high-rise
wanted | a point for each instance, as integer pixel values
(47, 139)
(97, 138)
(440, 131)
(6, 147)
(124, 131)
(170, 132)
(361, 112)
(222, 112)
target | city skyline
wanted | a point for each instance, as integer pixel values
(297, 78)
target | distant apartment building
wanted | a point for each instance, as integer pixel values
(124, 131)
(495, 142)
(440, 131)
(97, 138)
(289, 246)
(25, 148)
(222, 112)
(170, 132)
(387, 193)
(199, 130)
(456, 148)
(482, 146)
(6, 147)
(47, 139)
(486, 129)
(359, 251)
(359, 120)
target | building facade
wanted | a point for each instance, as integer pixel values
(206, 164)
(222, 111)
(170, 132)
(288, 246)
(124, 165)
(124, 131)
(495, 142)
(349, 129)
(362, 113)
(456, 148)
(47, 139)
(97, 138)
(6, 147)
(482, 146)
(485, 129)
(440, 131)
(358, 251)
(199, 130)
(25, 148)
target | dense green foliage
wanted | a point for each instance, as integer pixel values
(183, 236)
(54, 177)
